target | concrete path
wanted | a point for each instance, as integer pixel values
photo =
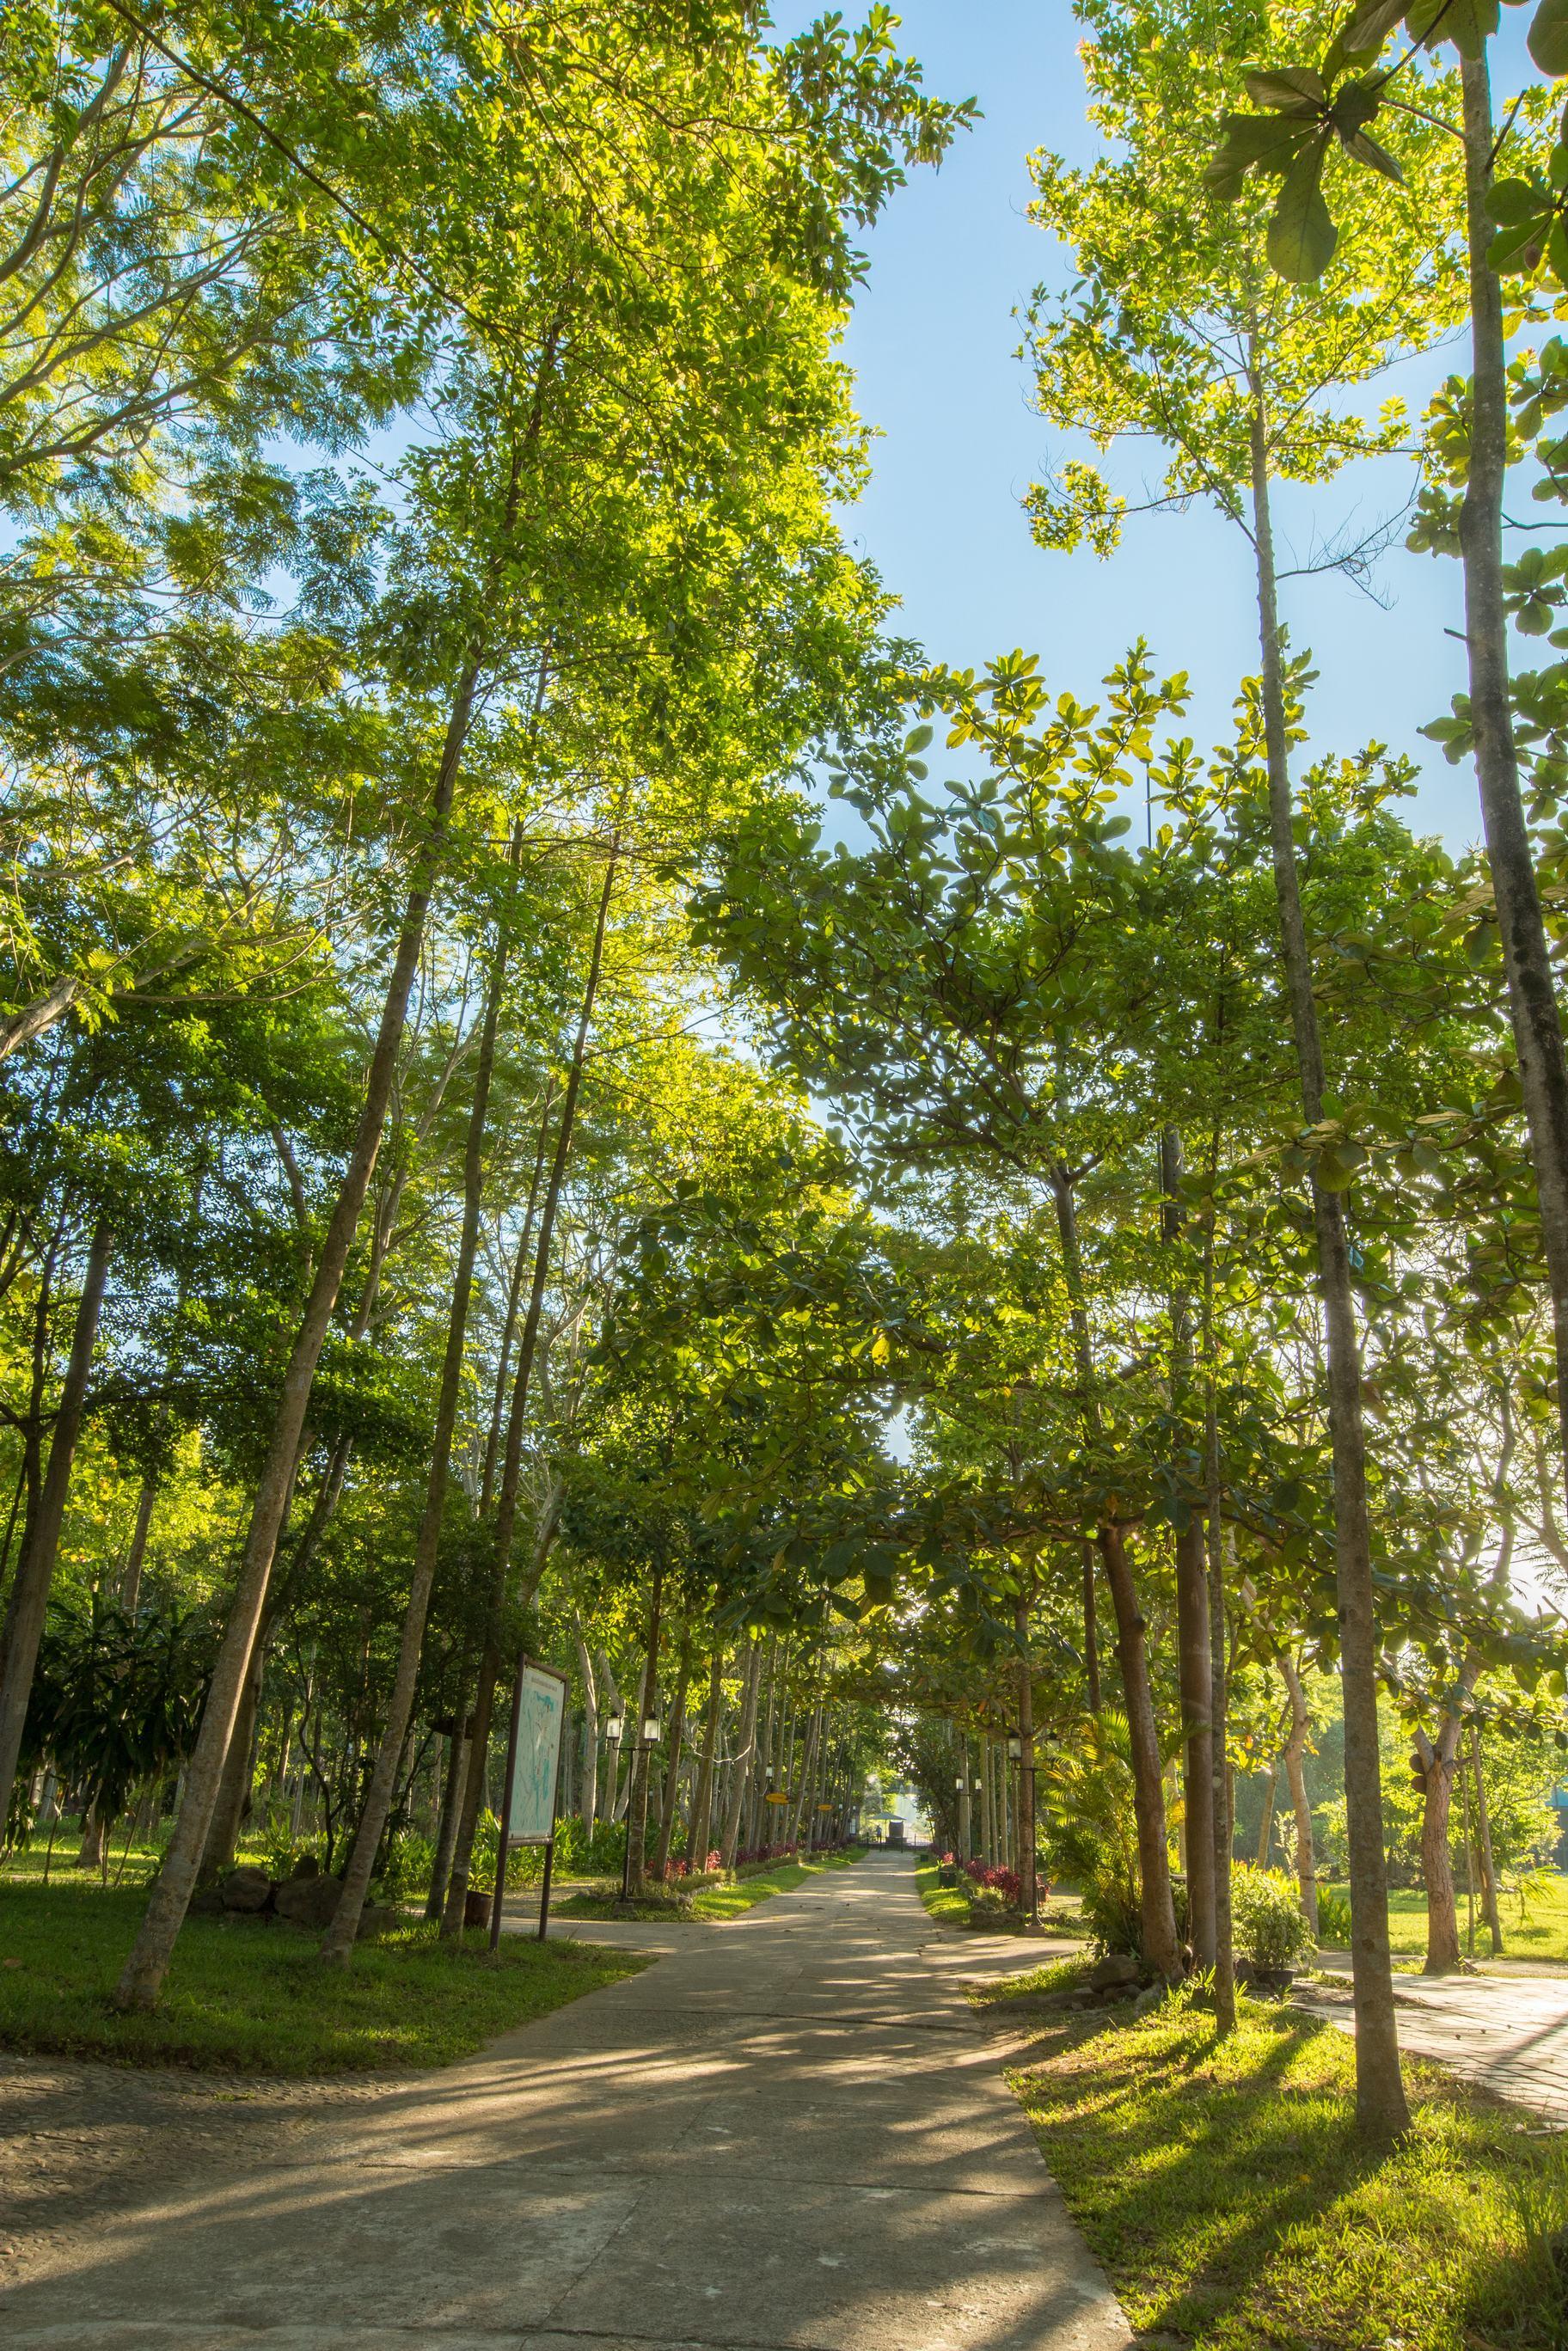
(787, 2136)
(1508, 2033)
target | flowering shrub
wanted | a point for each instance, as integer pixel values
(1005, 1882)
(680, 1866)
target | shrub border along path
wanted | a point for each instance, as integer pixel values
(724, 1901)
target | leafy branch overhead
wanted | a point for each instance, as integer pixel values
(1311, 113)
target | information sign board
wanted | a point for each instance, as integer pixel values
(535, 1760)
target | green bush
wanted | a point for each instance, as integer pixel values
(406, 1866)
(1334, 1918)
(1267, 1916)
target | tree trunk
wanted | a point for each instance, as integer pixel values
(233, 1787)
(1438, 1761)
(647, 1711)
(589, 1793)
(514, 1290)
(1443, 1954)
(1483, 1831)
(1197, 1675)
(94, 1846)
(702, 1798)
(1091, 1632)
(745, 1750)
(1028, 1891)
(1526, 955)
(1194, 1667)
(446, 1832)
(674, 1744)
(1266, 1826)
(131, 1573)
(1157, 1907)
(30, 1598)
(1224, 1828)
(1296, 1778)
(511, 1470)
(337, 1942)
(1382, 2113)
(144, 1971)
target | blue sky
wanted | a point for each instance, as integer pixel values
(932, 342)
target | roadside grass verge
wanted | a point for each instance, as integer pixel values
(1060, 1914)
(248, 1996)
(949, 1903)
(1221, 2186)
(728, 1900)
(1051, 1975)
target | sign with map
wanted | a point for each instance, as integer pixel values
(541, 1719)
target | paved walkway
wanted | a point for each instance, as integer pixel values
(790, 2134)
(1507, 2034)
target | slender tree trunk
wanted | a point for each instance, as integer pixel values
(235, 1784)
(647, 1711)
(1194, 1667)
(745, 1750)
(674, 1747)
(1296, 1776)
(1382, 2113)
(1443, 1954)
(1266, 1826)
(337, 1942)
(131, 1573)
(1526, 953)
(30, 1592)
(525, 1239)
(94, 1837)
(1156, 1906)
(589, 1793)
(1028, 1890)
(511, 1470)
(1224, 1828)
(144, 1971)
(1091, 1632)
(702, 1798)
(446, 1832)
(1483, 1831)
(1197, 1678)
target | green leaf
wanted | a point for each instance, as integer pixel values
(1370, 27)
(1367, 150)
(1302, 233)
(1288, 89)
(1547, 39)
(1266, 142)
(1468, 24)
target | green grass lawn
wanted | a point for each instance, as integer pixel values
(722, 1901)
(949, 1903)
(1540, 1934)
(1051, 1975)
(1221, 2186)
(247, 1996)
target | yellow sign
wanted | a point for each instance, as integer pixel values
(773, 1797)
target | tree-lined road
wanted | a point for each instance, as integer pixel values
(790, 2134)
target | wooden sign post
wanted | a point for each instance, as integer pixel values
(533, 1779)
